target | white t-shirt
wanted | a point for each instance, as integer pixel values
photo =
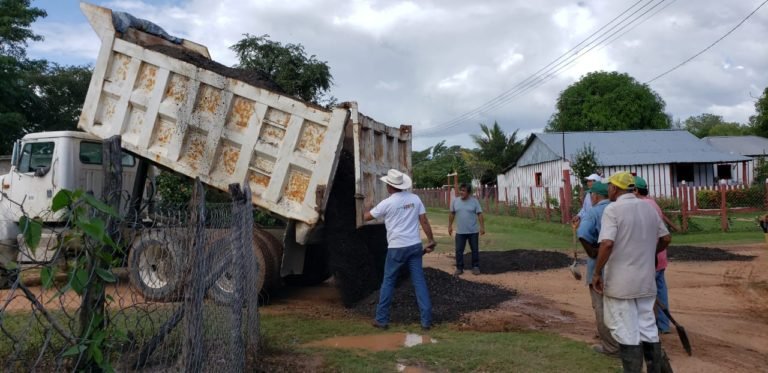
(401, 212)
(635, 228)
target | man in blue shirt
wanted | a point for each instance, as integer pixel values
(587, 204)
(588, 232)
(470, 225)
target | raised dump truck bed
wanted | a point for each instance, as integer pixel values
(203, 122)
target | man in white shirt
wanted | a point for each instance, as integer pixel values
(403, 212)
(587, 204)
(631, 235)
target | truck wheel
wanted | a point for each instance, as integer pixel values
(223, 289)
(154, 266)
(316, 268)
(273, 249)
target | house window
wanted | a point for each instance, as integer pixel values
(537, 178)
(724, 171)
(684, 172)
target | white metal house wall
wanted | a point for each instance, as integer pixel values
(525, 178)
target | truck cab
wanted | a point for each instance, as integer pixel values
(42, 164)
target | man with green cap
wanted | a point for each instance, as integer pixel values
(631, 235)
(588, 233)
(662, 322)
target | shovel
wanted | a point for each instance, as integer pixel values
(575, 265)
(680, 329)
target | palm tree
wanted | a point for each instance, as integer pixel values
(497, 148)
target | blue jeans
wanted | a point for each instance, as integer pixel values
(461, 244)
(662, 322)
(397, 258)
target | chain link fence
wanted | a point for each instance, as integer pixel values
(173, 290)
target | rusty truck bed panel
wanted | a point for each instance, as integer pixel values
(203, 124)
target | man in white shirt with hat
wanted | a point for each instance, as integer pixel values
(403, 212)
(591, 179)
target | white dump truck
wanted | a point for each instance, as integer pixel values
(175, 108)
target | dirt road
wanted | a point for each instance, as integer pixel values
(723, 306)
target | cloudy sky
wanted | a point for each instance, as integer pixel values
(445, 66)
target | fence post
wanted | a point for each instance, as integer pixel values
(533, 205)
(766, 193)
(192, 348)
(723, 209)
(684, 207)
(496, 198)
(562, 206)
(92, 306)
(546, 198)
(568, 193)
(519, 202)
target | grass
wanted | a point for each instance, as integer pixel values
(455, 351)
(509, 232)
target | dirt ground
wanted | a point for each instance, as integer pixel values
(722, 304)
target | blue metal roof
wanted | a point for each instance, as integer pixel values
(624, 148)
(744, 145)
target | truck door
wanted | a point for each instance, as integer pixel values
(90, 176)
(32, 180)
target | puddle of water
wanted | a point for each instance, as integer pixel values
(374, 342)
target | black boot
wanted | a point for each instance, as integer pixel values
(666, 367)
(631, 358)
(652, 353)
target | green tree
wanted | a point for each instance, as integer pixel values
(713, 125)
(584, 162)
(496, 148)
(608, 101)
(288, 65)
(759, 122)
(16, 16)
(475, 166)
(431, 171)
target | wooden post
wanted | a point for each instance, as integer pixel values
(92, 306)
(723, 209)
(562, 208)
(546, 198)
(487, 199)
(684, 206)
(519, 202)
(192, 348)
(568, 192)
(533, 205)
(496, 198)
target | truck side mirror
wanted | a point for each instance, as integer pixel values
(15, 153)
(41, 171)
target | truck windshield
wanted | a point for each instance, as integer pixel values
(35, 155)
(90, 153)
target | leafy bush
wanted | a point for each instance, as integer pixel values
(749, 197)
(668, 203)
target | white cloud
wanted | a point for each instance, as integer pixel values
(739, 112)
(510, 59)
(387, 86)
(458, 80)
(426, 63)
(366, 17)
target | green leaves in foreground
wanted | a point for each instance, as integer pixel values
(32, 229)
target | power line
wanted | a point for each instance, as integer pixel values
(553, 68)
(567, 53)
(711, 45)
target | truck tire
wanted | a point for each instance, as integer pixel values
(155, 266)
(316, 269)
(273, 249)
(222, 291)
